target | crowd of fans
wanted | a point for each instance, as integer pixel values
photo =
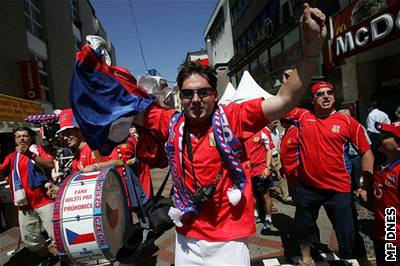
(221, 157)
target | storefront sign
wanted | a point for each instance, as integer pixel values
(30, 79)
(357, 28)
(16, 109)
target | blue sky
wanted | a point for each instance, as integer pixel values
(168, 29)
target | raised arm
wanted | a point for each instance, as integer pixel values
(292, 90)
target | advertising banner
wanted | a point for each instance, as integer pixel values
(30, 79)
(16, 109)
(361, 26)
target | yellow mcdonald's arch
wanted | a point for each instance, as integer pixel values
(340, 29)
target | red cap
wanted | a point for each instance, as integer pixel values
(67, 120)
(319, 85)
(393, 129)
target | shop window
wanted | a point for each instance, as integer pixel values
(285, 11)
(264, 60)
(75, 13)
(33, 18)
(239, 75)
(233, 80)
(292, 46)
(44, 76)
(254, 66)
(245, 68)
(276, 56)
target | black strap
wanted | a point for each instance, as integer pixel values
(160, 190)
(188, 143)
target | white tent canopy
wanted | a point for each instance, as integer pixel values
(228, 95)
(248, 89)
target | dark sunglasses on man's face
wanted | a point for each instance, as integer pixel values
(201, 92)
(323, 93)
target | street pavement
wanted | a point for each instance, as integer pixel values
(277, 248)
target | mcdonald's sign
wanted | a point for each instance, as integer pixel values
(354, 32)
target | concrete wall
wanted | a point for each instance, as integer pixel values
(13, 46)
(60, 40)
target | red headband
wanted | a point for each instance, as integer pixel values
(319, 85)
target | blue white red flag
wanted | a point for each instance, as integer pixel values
(104, 100)
(74, 238)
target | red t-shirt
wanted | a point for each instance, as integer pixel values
(324, 143)
(36, 197)
(386, 195)
(218, 220)
(289, 152)
(83, 158)
(257, 147)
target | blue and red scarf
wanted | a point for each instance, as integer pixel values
(228, 146)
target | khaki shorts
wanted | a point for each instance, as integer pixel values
(276, 162)
(31, 223)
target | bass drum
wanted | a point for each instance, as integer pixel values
(90, 217)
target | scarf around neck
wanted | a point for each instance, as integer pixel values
(228, 147)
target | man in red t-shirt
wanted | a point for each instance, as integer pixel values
(324, 173)
(213, 209)
(85, 159)
(387, 197)
(212, 187)
(259, 149)
(27, 168)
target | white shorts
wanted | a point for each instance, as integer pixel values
(190, 251)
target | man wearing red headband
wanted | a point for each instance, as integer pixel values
(324, 173)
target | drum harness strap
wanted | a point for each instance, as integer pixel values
(144, 220)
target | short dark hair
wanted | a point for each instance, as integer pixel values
(30, 131)
(373, 104)
(188, 68)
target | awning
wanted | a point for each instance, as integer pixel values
(9, 126)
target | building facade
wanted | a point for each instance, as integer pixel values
(267, 39)
(219, 42)
(40, 38)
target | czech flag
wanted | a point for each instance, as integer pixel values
(104, 100)
(75, 238)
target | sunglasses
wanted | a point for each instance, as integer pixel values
(201, 92)
(323, 93)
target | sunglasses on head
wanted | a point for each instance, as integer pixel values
(323, 93)
(201, 92)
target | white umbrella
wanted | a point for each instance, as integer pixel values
(248, 89)
(227, 97)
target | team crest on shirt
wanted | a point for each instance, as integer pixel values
(390, 180)
(256, 139)
(211, 139)
(335, 128)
